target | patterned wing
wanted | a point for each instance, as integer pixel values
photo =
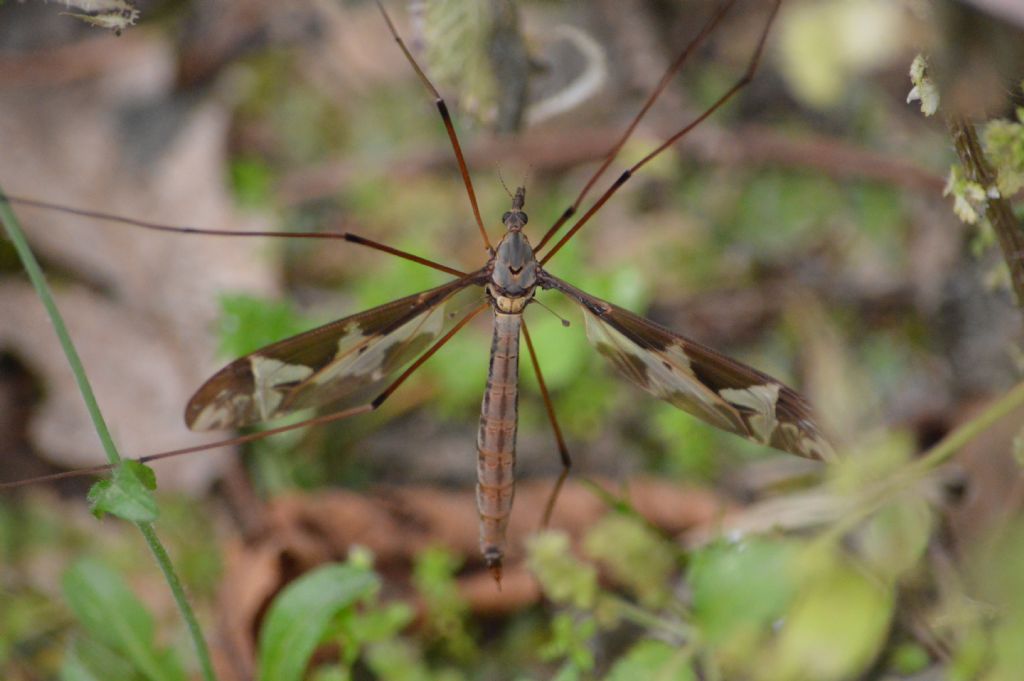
(344, 363)
(714, 388)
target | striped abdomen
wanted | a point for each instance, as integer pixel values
(496, 440)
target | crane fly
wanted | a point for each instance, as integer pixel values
(354, 364)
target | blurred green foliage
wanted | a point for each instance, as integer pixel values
(122, 631)
(248, 323)
(634, 556)
(251, 182)
(653, 659)
(446, 609)
(837, 600)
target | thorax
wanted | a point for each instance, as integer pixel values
(514, 274)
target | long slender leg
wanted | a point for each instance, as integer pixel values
(325, 418)
(563, 451)
(158, 227)
(747, 76)
(662, 84)
(448, 126)
(376, 245)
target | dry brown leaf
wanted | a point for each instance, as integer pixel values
(396, 524)
(122, 142)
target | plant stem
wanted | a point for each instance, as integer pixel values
(878, 495)
(38, 279)
(178, 592)
(650, 620)
(951, 444)
(997, 209)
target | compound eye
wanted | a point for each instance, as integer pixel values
(506, 216)
(526, 218)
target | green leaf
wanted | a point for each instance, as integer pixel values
(127, 494)
(634, 555)
(653, 660)
(381, 623)
(300, 617)
(739, 588)
(110, 612)
(90, 660)
(895, 538)
(564, 578)
(396, 659)
(836, 628)
(358, 631)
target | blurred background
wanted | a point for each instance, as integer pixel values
(803, 229)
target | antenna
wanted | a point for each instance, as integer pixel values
(505, 186)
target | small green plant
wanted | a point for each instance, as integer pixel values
(319, 606)
(128, 492)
